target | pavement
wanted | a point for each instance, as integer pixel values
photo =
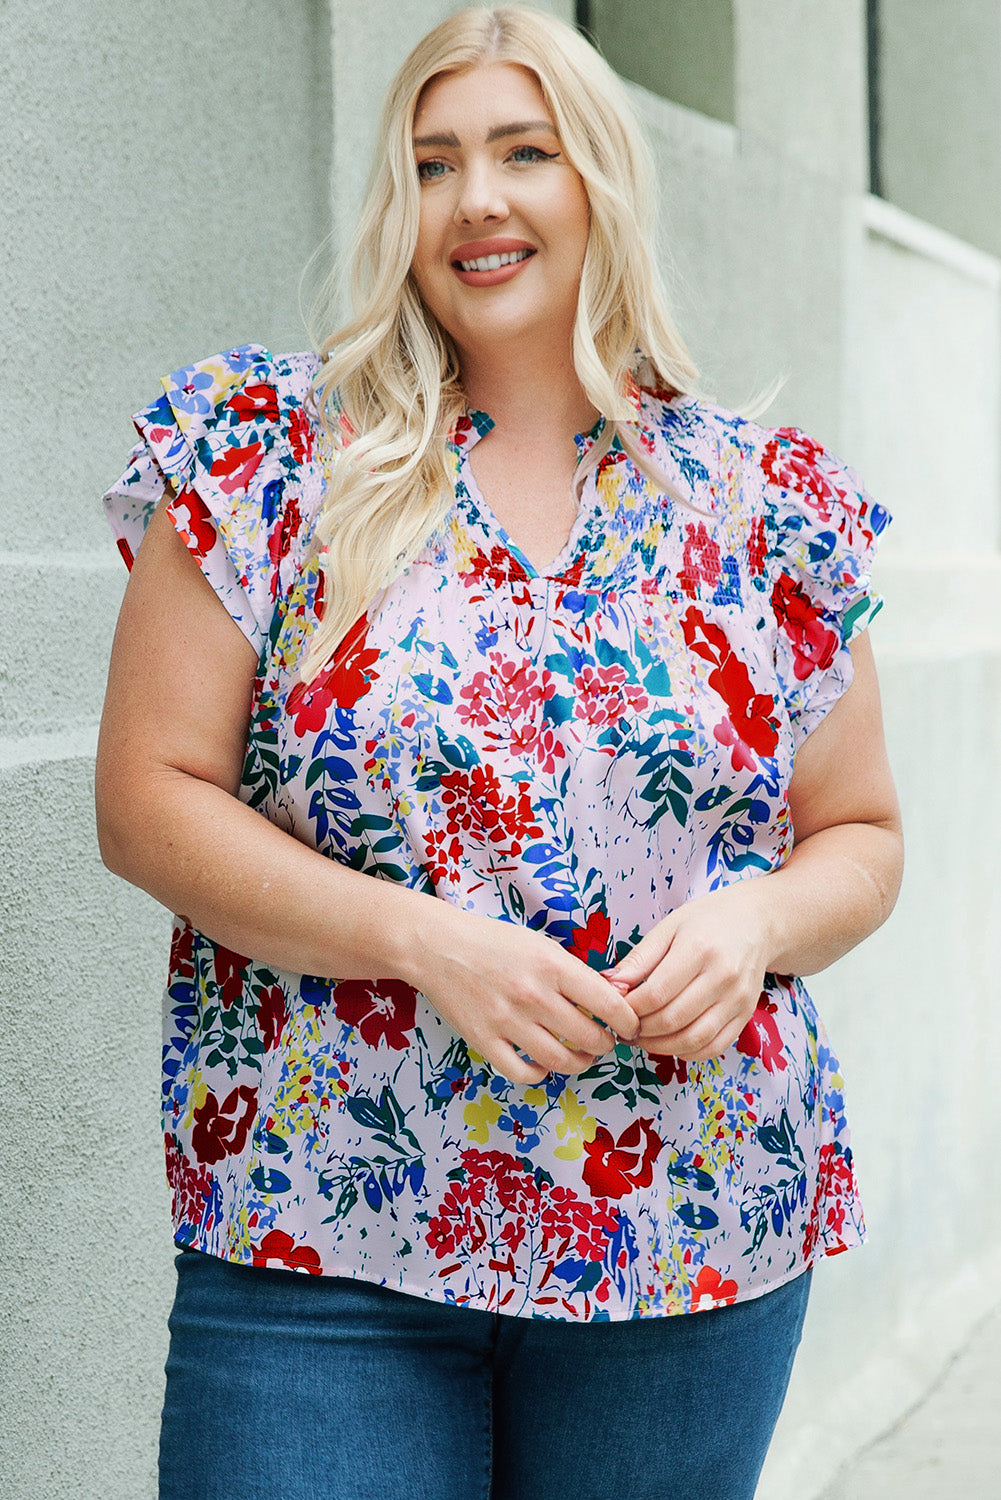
(946, 1448)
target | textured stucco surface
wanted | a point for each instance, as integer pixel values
(940, 118)
(169, 169)
(681, 49)
(171, 172)
(84, 1297)
(166, 176)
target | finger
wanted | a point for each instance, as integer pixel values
(577, 1030)
(640, 962)
(593, 995)
(701, 1038)
(543, 1048)
(679, 969)
(509, 1063)
(697, 997)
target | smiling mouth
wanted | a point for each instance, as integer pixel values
(493, 262)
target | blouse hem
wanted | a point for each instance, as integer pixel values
(428, 1292)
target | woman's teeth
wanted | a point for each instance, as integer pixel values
(494, 262)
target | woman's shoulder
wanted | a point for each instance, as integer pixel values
(243, 385)
(231, 442)
(791, 479)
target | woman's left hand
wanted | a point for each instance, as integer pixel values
(696, 977)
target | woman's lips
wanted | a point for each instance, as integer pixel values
(490, 262)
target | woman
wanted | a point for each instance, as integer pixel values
(470, 764)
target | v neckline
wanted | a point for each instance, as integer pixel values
(479, 424)
(568, 553)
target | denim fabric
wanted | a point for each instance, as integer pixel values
(282, 1386)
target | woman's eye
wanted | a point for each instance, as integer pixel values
(532, 153)
(430, 171)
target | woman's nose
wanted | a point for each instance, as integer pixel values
(481, 197)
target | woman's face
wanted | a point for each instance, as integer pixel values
(504, 216)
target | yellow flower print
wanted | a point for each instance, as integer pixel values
(575, 1127)
(480, 1115)
(198, 1091)
(464, 545)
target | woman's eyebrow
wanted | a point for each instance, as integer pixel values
(518, 127)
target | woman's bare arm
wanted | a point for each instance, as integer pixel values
(695, 978)
(169, 763)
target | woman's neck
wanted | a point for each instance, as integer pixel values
(532, 396)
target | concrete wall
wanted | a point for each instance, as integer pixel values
(940, 113)
(174, 170)
(165, 175)
(681, 49)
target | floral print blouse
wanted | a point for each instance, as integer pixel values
(580, 751)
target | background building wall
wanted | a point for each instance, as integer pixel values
(940, 82)
(174, 171)
(165, 172)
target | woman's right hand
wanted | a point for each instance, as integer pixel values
(521, 1001)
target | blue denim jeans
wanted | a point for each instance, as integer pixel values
(289, 1387)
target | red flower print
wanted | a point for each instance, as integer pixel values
(272, 1014)
(277, 1245)
(752, 726)
(508, 694)
(540, 742)
(382, 1010)
(478, 708)
(710, 1287)
(257, 400)
(749, 711)
(602, 695)
(761, 1038)
(193, 522)
(592, 938)
(503, 1202)
(182, 951)
(284, 532)
(457, 1224)
(795, 461)
(513, 1233)
(613, 1168)
(352, 671)
(190, 1185)
(740, 757)
(235, 467)
(308, 704)
(814, 646)
(701, 560)
(516, 1188)
(348, 678)
(444, 853)
(300, 436)
(475, 804)
(230, 972)
(668, 1068)
(219, 1130)
(496, 567)
(757, 547)
(835, 1185)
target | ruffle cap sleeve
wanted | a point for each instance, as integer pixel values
(820, 525)
(229, 436)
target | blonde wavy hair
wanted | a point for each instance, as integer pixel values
(389, 387)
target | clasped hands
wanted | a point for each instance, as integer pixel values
(530, 1008)
(694, 981)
